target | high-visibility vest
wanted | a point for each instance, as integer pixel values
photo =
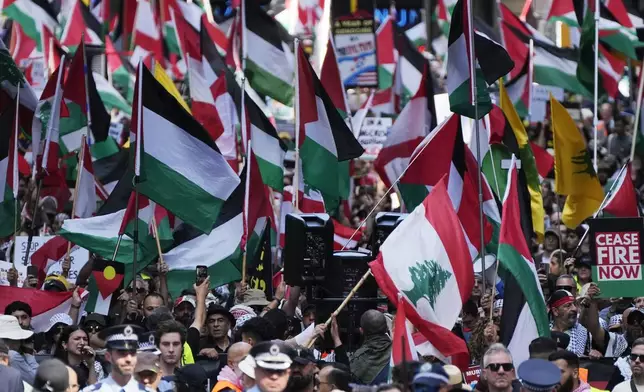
(225, 384)
(186, 356)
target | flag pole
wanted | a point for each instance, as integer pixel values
(244, 45)
(247, 137)
(638, 111)
(137, 167)
(530, 78)
(296, 175)
(86, 75)
(596, 87)
(155, 232)
(15, 180)
(473, 97)
(79, 171)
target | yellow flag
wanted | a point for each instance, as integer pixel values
(528, 163)
(575, 176)
(168, 84)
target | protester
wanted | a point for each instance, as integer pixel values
(230, 377)
(219, 322)
(10, 377)
(57, 325)
(54, 376)
(303, 371)
(568, 363)
(73, 350)
(369, 362)
(148, 371)
(498, 369)
(21, 311)
(333, 377)
(542, 348)
(170, 338)
(636, 361)
(21, 352)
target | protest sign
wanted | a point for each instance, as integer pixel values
(373, 135)
(355, 42)
(5, 266)
(78, 255)
(616, 252)
(472, 375)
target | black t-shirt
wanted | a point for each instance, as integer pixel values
(198, 343)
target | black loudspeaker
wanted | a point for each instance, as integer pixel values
(309, 246)
(344, 270)
(384, 224)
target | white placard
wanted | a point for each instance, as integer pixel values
(78, 255)
(373, 135)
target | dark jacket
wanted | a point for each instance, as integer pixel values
(373, 356)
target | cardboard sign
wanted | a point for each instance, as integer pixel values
(616, 252)
(355, 42)
(78, 255)
(373, 134)
(472, 375)
(5, 266)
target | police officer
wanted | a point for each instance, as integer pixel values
(538, 375)
(121, 343)
(273, 360)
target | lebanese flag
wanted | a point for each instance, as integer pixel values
(426, 261)
(21, 46)
(47, 255)
(85, 185)
(342, 236)
(44, 304)
(403, 347)
(622, 202)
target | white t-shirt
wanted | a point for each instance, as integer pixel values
(625, 386)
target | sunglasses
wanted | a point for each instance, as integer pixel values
(93, 328)
(567, 288)
(139, 290)
(60, 328)
(637, 356)
(496, 366)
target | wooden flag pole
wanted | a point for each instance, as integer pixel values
(79, 171)
(87, 101)
(343, 304)
(155, 232)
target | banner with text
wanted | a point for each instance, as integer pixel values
(373, 134)
(616, 252)
(78, 255)
(355, 42)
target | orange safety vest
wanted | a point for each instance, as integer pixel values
(225, 384)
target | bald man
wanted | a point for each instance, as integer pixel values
(229, 379)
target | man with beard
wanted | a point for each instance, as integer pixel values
(121, 343)
(219, 322)
(303, 372)
(273, 360)
(568, 363)
(565, 319)
(636, 362)
(633, 331)
(184, 309)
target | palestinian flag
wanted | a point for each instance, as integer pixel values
(106, 279)
(553, 66)
(518, 90)
(409, 70)
(528, 162)
(342, 236)
(79, 23)
(269, 63)
(563, 11)
(325, 140)
(44, 304)
(490, 60)
(174, 23)
(332, 82)
(8, 171)
(74, 125)
(120, 71)
(12, 79)
(146, 39)
(167, 158)
(110, 96)
(519, 328)
(385, 53)
(49, 110)
(217, 36)
(444, 11)
(426, 261)
(622, 201)
(50, 253)
(22, 48)
(32, 16)
(52, 50)
(219, 249)
(111, 168)
(444, 154)
(415, 122)
(85, 203)
(545, 162)
(361, 114)
(99, 234)
(148, 213)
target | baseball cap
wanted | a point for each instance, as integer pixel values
(147, 361)
(636, 316)
(304, 356)
(430, 376)
(52, 375)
